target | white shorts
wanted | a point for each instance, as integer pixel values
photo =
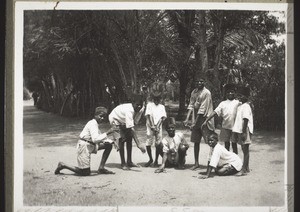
(84, 151)
(151, 137)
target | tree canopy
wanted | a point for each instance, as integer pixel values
(78, 60)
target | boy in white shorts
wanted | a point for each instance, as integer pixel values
(224, 162)
(155, 115)
(227, 110)
(123, 117)
(243, 126)
(90, 141)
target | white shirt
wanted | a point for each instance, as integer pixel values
(155, 111)
(173, 143)
(221, 156)
(122, 115)
(227, 110)
(91, 132)
(243, 111)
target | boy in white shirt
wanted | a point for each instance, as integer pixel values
(243, 126)
(123, 117)
(90, 141)
(227, 110)
(155, 115)
(224, 162)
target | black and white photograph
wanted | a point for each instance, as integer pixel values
(132, 106)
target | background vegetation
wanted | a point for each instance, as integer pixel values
(71, 58)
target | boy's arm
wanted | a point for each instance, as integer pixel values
(187, 117)
(209, 169)
(245, 126)
(214, 114)
(138, 143)
(162, 166)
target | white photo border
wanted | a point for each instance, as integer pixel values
(21, 6)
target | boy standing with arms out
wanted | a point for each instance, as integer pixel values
(224, 162)
(243, 126)
(201, 104)
(123, 117)
(174, 147)
(227, 110)
(90, 141)
(155, 115)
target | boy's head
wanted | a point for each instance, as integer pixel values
(137, 102)
(156, 96)
(244, 93)
(100, 114)
(230, 91)
(212, 139)
(199, 83)
(170, 126)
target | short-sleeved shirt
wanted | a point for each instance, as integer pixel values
(221, 156)
(227, 110)
(155, 111)
(122, 115)
(243, 111)
(173, 143)
(91, 132)
(201, 102)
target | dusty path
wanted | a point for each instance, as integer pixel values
(49, 139)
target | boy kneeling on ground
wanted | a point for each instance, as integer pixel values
(224, 162)
(174, 147)
(90, 141)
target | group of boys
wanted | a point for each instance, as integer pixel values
(237, 126)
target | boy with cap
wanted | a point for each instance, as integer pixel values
(224, 162)
(243, 126)
(201, 104)
(90, 141)
(227, 110)
(174, 147)
(155, 115)
(123, 117)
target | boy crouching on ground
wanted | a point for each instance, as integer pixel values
(91, 140)
(174, 147)
(224, 162)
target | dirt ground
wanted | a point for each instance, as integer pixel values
(49, 138)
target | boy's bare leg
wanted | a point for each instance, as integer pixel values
(129, 154)
(158, 152)
(181, 155)
(234, 148)
(107, 149)
(62, 166)
(122, 156)
(227, 145)
(196, 155)
(149, 152)
(245, 149)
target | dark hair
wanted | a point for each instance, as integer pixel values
(169, 121)
(137, 99)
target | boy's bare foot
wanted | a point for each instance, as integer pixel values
(105, 171)
(155, 164)
(148, 163)
(194, 167)
(125, 168)
(132, 165)
(59, 167)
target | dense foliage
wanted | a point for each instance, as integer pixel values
(77, 60)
